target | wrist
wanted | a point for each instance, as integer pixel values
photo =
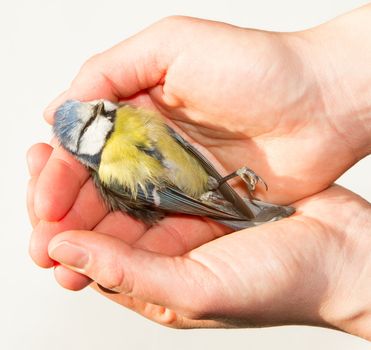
(339, 54)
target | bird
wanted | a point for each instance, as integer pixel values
(143, 167)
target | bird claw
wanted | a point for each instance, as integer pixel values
(246, 174)
(250, 178)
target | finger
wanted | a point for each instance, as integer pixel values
(122, 226)
(30, 201)
(158, 313)
(171, 236)
(52, 107)
(85, 213)
(70, 279)
(37, 157)
(116, 224)
(58, 185)
(136, 64)
(166, 281)
(179, 234)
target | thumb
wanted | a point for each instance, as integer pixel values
(136, 64)
(178, 283)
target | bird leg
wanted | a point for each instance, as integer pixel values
(248, 176)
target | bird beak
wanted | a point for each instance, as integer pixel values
(100, 108)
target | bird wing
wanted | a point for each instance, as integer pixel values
(225, 189)
(172, 199)
(149, 205)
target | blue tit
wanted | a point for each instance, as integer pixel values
(143, 167)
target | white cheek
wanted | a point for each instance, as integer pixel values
(93, 140)
(73, 138)
(109, 106)
(85, 111)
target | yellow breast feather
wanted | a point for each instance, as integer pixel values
(124, 161)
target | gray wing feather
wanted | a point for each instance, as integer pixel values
(225, 189)
(149, 206)
(173, 200)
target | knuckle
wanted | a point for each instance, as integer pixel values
(174, 20)
(91, 63)
(167, 317)
(91, 67)
(172, 319)
(115, 280)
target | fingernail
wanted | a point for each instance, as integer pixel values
(69, 254)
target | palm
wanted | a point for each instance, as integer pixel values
(268, 263)
(246, 96)
(280, 254)
(263, 114)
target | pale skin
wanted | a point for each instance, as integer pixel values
(293, 107)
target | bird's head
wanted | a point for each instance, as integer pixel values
(82, 128)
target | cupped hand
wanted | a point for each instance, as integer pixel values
(294, 271)
(243, 97)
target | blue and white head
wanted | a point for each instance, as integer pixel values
(82, 128)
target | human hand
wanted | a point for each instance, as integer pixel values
(232, 114)
(295, 271)
(231, 90)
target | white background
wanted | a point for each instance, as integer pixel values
(43, 44)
